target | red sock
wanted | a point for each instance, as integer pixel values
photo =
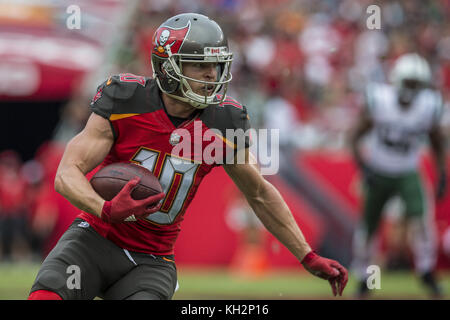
(44, 295)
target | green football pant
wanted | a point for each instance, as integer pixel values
(378, 190)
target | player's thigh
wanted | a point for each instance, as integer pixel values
(376, 195)
(154, 281)
(412, 193)
(80, 264)
(144, 295)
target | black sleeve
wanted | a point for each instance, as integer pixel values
(231, 120)
(102, 104)
(240, 122)
(113, 96)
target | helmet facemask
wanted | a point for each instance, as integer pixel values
(176, 83)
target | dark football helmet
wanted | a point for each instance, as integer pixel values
(190, 37)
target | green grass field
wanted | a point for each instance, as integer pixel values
(204, 284)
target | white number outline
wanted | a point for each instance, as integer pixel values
(171, 165)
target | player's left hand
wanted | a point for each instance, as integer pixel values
(327, 269)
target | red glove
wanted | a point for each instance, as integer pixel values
(327, 269)
(123, 205)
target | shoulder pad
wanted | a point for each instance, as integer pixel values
(238, 116)
(123, 86)
(230, 114)
(373, 92)
(433, 100)
(116, 90)
(229, 101)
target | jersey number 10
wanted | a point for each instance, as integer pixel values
(176, 177)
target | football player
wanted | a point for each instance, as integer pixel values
(135, 119)
(397, 118)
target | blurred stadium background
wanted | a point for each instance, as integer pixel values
(299, 65)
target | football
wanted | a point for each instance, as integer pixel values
(109, 180)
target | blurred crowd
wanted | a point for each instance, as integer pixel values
(305, 63)
(299, 65)
(31, 218)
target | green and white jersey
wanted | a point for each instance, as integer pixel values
(394, 144)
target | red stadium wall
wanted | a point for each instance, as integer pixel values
(337, 171)
(210, 237)
(207, 238)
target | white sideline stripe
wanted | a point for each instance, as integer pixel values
(129, 256)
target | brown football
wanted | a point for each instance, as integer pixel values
(109, 180)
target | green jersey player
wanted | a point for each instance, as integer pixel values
(397, 118)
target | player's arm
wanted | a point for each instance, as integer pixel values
(437, 142)
(269, 206)
(85, 152)
(82, 154)
(275, 215)
(362, 126)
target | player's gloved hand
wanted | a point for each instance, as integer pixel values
(123, 205)
(327, 269)
(441, 186)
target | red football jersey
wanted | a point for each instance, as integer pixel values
(179, 156)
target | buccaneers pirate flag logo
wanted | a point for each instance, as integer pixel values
(166, 36)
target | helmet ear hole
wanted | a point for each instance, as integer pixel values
(165, 75)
